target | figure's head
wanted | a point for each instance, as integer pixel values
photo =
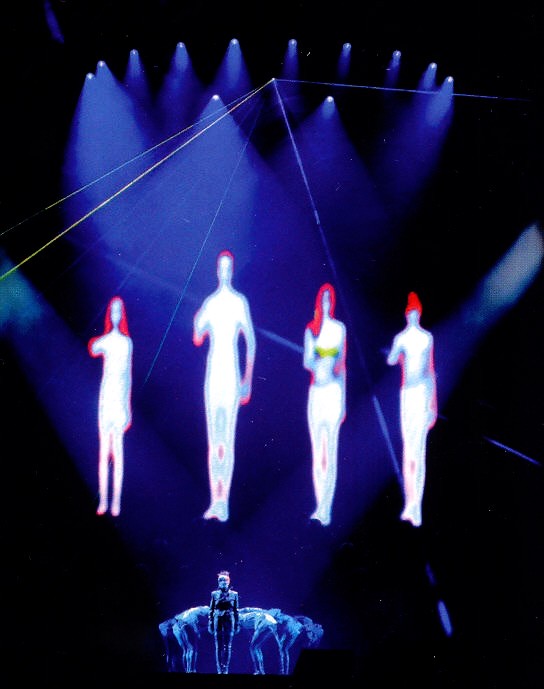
(225, 262)
(315, 634)
(326, 299)
(223, 580)
(116, 316)
(325, 303)
(116, 311)
(413, 308)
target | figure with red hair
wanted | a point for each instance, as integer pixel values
(413, 349)
(325, 358)
(114, 402)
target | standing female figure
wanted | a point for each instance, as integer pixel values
(114, 405)
(325, 358)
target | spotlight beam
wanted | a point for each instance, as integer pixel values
(130, 184)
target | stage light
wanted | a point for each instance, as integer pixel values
(290, 63)
(344, 60)
(440, 104)
(427, 82)
(392, 71)
(232, 79)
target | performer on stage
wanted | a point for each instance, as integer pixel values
(224, 621)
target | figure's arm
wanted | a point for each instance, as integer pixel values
(395, 352)
(340, 364)
(95, 346)
(246, 327)
(128, 386)
(235, 609)
(433, 404)
(309, 351)
(210, 615)
(200, 326)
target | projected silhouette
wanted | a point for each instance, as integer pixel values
(223, 621)
(114, 402)
(223, 317)
(325, 358)
(413, 348)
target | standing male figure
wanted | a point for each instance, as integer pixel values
(223, 317)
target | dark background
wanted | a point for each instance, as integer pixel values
(80, 598)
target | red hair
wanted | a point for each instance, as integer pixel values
(413, 304)
(315, 324)
(123, 323)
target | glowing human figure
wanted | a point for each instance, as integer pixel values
(114, 401)
(223, 317)
(224, 621)
(325, 358)
(413, 348)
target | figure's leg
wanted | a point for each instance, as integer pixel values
(118, 470)
(413, 432)
(419, 478)
(260, 661)
(164, 629)
(218, 641)
(103, 469)
(279, 641)
(320, 467)
(329, 474)
(407, 469)
(286, 655)
(193, 658)
(228, 649)
(316, 442)
(255, 649)
(221, 436)
(225, 632)
(254, 658)
(184, 644)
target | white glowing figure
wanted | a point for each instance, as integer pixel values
(224, 317)
(325, 358)
(413, 348)
(114, 404)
